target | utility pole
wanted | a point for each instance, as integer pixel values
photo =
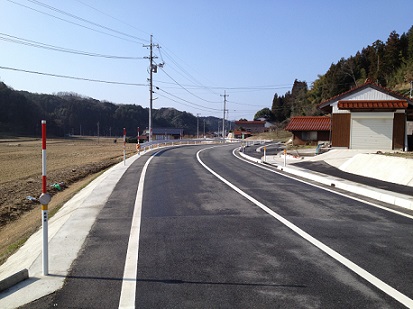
(223, 119)
(152, 69)
(197, 125)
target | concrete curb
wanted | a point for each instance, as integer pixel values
(392, 198)
(14, 279)
(78, 214)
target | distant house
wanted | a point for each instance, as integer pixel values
(309, 130)
(250, 126)
(241, 134)
(164, 133)
(267, 124)
(369, 117)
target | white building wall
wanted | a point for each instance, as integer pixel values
(370, 94)
(365, 94)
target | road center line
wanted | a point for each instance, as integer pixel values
(335, 255)
(128, 292)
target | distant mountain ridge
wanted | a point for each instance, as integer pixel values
(69, 113)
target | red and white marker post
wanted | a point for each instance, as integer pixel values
(138, 145)
(124, 146)
(44, 201)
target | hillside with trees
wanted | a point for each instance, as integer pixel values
(390, 64)
(21, 113)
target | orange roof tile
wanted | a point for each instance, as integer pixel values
(326, 103)
(250, 122)
(309, 123)
(373, 104)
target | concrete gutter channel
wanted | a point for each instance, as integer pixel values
(392, 198)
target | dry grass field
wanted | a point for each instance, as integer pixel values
(73, 161)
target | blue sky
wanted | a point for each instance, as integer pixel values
(250, 49)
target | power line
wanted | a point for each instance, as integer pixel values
(77, 24)
(191, 103)
(84, 20)
(72, 77)
(187, 89)
(108, 15)
(246, 88)
(186, 74)
(14, 39)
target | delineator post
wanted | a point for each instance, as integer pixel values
(44, 201)
(124, 146)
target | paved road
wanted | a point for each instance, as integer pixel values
(204, 245)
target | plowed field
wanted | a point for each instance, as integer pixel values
(69, 162)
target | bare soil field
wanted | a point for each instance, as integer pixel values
(71, 162)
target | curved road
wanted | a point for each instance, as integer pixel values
(213, 231)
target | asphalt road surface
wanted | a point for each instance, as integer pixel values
(250, 239)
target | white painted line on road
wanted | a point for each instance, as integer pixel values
(335, 255)
(128, 292)
(321, 187)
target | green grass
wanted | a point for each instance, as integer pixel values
(13, 248)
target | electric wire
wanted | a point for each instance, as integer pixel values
(14, 39)
(115, 18)
(72, 77)
(74, 23)
(190, 77)
(84, 20)
(187, 89)
(194, 104)
(246, 89)
(198, 108)
(185, 73)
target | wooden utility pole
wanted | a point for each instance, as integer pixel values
(223, 118)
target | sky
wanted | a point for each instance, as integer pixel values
(247, 50)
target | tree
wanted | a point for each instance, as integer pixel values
(391, 56)
(278, 108)
(349, 68)
(409, 36)
(265, 113)
(298, 100)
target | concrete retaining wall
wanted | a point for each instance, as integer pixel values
(387, 168)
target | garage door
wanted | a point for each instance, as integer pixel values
(371, 132)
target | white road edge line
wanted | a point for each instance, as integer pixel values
(128, 292)
(323, 188)
(335, 255)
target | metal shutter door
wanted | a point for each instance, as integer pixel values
(372, 133)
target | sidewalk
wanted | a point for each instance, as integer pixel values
(67, 232)
(324, 170)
